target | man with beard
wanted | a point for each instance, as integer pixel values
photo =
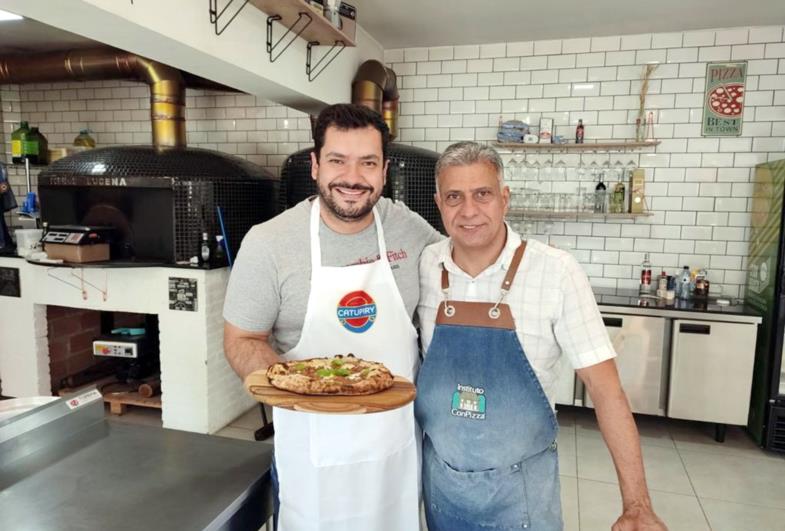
(348, 246)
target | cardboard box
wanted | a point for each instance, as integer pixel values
(77, 254)
(637, 189)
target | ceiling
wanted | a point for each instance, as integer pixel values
(412, 23)
(27, 36)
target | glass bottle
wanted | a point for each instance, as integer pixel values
(204, 250)
(617, 199)
(645, 285)
(18, 138)
(579, 132)
(84, 139)
(684, 281)
(600, 192)
(219, 256)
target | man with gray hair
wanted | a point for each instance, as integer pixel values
(496, 315)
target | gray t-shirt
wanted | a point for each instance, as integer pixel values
(271, 278)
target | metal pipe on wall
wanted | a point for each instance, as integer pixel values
(376, 86)
(167, 84)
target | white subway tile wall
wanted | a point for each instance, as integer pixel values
(699, 189)
(118, 113)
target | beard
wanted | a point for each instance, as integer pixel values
(352, 212)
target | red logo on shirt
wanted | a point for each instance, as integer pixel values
(356, 311)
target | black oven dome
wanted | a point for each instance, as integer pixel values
(147, 161)
(160, 201)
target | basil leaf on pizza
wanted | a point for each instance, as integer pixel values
(337, 375)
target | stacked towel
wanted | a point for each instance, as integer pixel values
(512, 131)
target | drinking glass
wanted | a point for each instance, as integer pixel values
(534, 171)
(561, 170)
(547, 170)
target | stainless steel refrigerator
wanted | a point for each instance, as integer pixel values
(765, 292)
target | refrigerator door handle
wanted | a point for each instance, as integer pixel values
(615, 322)
(690, 328)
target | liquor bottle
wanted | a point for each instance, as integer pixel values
(18, 138)
(645, 285)
(204, 250)
(579, 133)
(662, 285)
(617, 199)
(701, 284)
(600, 195)
(219, 256)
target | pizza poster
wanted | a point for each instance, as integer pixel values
(723, 105)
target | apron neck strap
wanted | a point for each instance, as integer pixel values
(316, 248)
(508, 278)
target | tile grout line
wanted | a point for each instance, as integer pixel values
(687, 472)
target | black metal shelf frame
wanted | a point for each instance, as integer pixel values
(312, 70)
(216, 15)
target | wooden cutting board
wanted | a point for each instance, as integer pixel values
(401, 393)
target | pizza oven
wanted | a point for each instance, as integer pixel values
(158, 202)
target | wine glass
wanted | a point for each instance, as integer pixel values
(514, 168)
(534, 171)
(547, 169)
(580, 171)
(547, 230)
(561, 169)
(618, 170)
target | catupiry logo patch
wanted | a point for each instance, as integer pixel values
(357, 311)
(468, 402)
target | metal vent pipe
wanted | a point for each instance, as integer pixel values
(376, 86)
(167, 84)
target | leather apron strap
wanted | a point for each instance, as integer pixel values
(481, 314)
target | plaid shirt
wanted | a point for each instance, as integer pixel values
(551, 302)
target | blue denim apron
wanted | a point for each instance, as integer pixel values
(489, 449)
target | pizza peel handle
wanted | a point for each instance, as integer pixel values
(401, 393)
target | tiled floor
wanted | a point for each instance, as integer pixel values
(696, 483)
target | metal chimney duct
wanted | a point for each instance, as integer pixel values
(376, 86)
(167, 84)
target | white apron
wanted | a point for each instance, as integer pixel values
(351, 472)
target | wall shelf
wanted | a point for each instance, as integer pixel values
(299, 19)
(592, 146)
(520, 213)
(318, 30)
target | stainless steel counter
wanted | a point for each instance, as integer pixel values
(63, 470)
(631, 303)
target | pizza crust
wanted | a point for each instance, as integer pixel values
(337, 375)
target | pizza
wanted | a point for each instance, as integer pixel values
(337, 375)
(727, 100)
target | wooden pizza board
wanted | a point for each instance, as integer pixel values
(401, 393)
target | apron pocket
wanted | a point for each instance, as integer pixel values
(346, 439)
(493, 499)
